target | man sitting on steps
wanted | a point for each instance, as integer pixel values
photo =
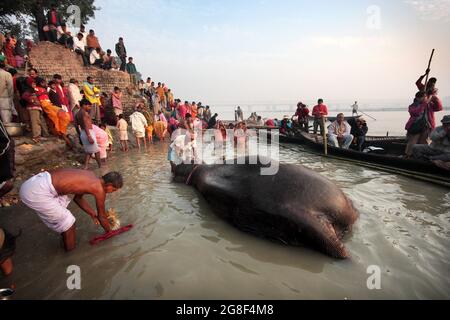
(78, 47)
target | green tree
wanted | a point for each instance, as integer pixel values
(21, 17)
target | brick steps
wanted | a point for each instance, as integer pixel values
(49, 59)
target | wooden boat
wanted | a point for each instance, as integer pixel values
(390, 160)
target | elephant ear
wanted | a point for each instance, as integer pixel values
(221, 186)
(320, 231)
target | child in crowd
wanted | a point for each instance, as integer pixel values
(122, 125)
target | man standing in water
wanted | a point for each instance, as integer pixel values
(47, 194)
(240, 114)
(87, 135)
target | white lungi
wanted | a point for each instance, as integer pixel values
(39, 194)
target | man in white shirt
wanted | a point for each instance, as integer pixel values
(339, 133)
(147, 86)
(85, 34)
(139, 124)
(6, 95)
(74, 96)
(95, 58)
(78, 47)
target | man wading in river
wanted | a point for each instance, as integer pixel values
(87, 134)
(47, 194)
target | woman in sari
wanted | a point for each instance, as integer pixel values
(58, 117)
(160, 126)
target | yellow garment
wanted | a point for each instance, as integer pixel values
(170, 97)
(110, 136)
(58, 116)
(161, 93)
(150, 130)
(93, 96)
(160, 129)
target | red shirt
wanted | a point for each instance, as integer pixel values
(53, 16)
(416, 111)
(62, 95)
(302, 113)
(270, 123)
(320, 111)
(42, 94)
(182, 110)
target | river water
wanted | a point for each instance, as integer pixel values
(179, 249)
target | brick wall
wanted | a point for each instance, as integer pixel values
(49, 59)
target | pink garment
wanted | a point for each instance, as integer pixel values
(162, 118)
(173, 122)
(102, 141)
(117, 101)
(182, 111)
(416, 111)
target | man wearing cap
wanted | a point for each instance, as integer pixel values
(303, 116)
(359, 131)
(439, 150)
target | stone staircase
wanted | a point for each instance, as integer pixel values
(49, 59)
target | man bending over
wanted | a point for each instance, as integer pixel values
(48, 195)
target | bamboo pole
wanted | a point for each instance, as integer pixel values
(429, 67)
(324, 133)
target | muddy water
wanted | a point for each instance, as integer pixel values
(180, 250)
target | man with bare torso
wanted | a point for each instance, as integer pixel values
(87, 134)
(47, 194)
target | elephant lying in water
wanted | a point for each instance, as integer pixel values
(295, 206)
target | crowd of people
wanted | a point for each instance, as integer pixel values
(14, 52)
(52, 28)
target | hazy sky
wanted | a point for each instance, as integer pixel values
(268, 50)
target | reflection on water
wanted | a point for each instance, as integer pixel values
(180, 250)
